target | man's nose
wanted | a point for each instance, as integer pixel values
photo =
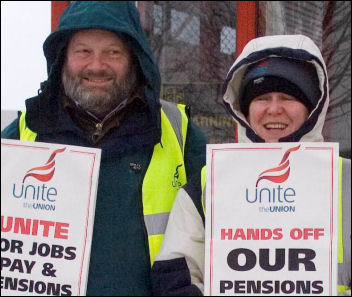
(96, 63)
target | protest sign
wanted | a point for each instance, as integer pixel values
(271, 219)
(48, 194)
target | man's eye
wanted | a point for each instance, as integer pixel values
(82, 51)
(114, 52)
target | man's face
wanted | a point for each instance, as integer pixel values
(97, 72)
(276, 115)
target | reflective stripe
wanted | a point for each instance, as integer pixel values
(165, 175)
(174, 116)
(341, 288)
(156, 223)
(25, 132)
(344, 240)
(339, 233)
(184, 126)
(154, 245)
(203, 181)
(178, 119)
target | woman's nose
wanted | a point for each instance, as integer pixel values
(275, 105)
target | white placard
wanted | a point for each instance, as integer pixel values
(271, 219)
(48, 194)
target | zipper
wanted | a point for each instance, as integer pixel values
(99, 128)
(141, 208)
(98, 132)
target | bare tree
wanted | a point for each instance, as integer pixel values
(337, 55)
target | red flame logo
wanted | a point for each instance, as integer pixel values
(283, 166)
(50, 164)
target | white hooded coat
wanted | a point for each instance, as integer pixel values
(184, 237)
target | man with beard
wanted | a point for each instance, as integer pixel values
(103, 91)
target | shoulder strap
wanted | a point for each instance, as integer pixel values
(25, 133)
(178, 119)
(166, 173)
(176, 115)
(203, 181)
(344, 225)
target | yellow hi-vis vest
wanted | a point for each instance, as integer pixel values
(344, 197)
(165, 175)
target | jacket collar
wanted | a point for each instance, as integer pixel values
(48, 116)
(95, 128)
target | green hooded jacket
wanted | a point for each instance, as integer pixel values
(120, 263)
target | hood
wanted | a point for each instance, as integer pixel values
(296, 47)
(46, 111)
(116, 16)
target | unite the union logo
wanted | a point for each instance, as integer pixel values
(41, 197)
(280, 173)
(41, 173)
(278, 198)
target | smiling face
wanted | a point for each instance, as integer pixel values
(276, 115)
(98, 72)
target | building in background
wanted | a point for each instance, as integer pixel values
(328, 23)
(195, 45)
(196, 42)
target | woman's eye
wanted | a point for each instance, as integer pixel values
(261, 98)
(289, 98)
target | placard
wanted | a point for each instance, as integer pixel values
(48, 194)
(271, 219)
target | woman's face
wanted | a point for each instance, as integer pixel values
(276, 115)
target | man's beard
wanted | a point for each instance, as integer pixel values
(100, 101)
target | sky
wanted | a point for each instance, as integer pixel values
(24, 27)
